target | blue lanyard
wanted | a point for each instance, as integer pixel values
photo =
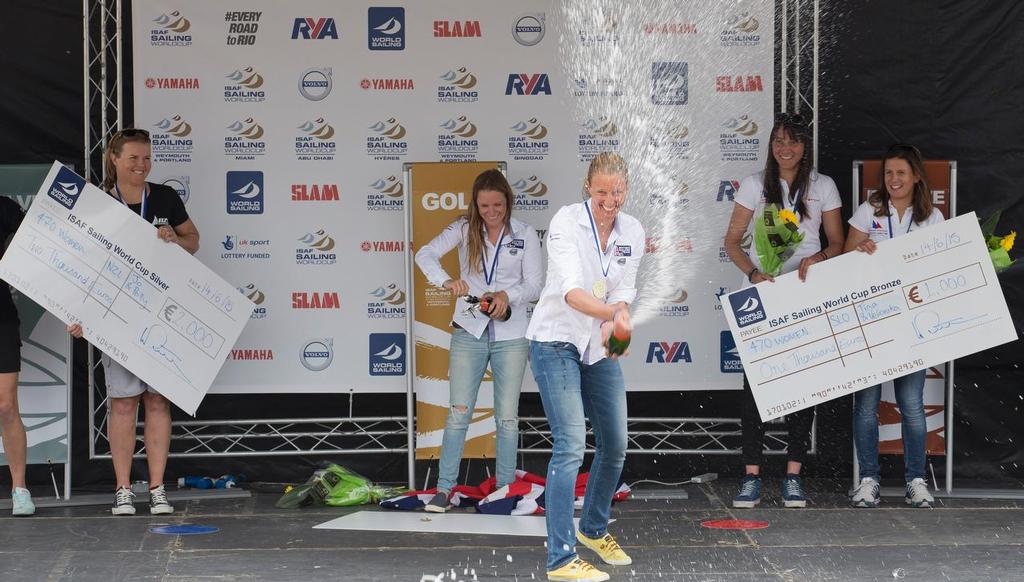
(889, 217)
(145, 197)
(597, 243)
(494, 263)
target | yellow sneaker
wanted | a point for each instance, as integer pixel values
(578, 571)
(607, 548)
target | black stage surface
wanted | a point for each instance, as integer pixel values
(959, 540)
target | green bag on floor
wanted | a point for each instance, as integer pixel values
(336, 486)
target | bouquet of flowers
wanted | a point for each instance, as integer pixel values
(337, 486)
(998, 246)
(776, 237)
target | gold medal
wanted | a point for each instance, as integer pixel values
(600, 288)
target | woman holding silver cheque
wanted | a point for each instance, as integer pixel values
(578, 330)
(501, 269)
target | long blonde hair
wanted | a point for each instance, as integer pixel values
(114, 147)
(495, 181)
(605, 163)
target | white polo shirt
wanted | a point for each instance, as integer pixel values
(519, 272)
(883, 228)
(821, 196)
(574, 263)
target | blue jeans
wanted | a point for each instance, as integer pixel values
(910, 398)
(467, 362)
(572, 392)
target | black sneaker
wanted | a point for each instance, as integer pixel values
(439, 503)
(124, 502)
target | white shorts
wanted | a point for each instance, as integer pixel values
(120, 382)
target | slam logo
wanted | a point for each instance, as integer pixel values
(730, 357)
(673, 141)
(315, 300)
(316, 248)
(597, 135)
(244, 142)
(386, 140)
(599, 87)
(386, 302)
(530, 193)
(315, 83)
(676, 305)
(670, 83)
(528, 29)
(315, 193)
(741, 30)
(66, 187)
(240, 248)
(242, 27)
(457, 29)
(528, 84)
(727, 190)
(315, 141)
(309, 28)
(458, 142)
(668, 353)
(258, 297)
(245, 86)
(738, 139)
(386, 193)
(171, 140)
(172, 29)
(387, 354)
(386, 29)
(747, 307)
(528, 140)
(179, 184)
(245, 192)
(457, 86)
(739, 84)
(317, 354)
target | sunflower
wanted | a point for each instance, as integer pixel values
(1007, 242)
(788, 216)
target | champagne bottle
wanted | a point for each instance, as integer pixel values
(485, 307)
(618, 339)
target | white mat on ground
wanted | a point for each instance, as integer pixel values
(419, 521)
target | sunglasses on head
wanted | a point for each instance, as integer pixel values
(129, 133)
(902, 148)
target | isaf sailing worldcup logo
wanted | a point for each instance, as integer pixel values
(387, 302)
(316, 249)
(387, 193)
(458, 87)
(245, 140)
(598, 135)
(315, 142)
(528, 140)
(258, 297)
(171, 30)
(738, 139)
(171, 141)
(530, 194)
(387, 140)
(246, 86)
(458, 143)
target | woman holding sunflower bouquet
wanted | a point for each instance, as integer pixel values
(774, 229)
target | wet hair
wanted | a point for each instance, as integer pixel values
(114, 148)
(921, 200)
(606, 163)
(495, 181)
(794, 126)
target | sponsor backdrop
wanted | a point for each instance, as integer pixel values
(43, 381)
(285, 128)
(890, 436)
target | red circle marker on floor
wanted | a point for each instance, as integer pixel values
(734, 524)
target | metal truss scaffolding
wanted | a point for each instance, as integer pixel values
(797, 46)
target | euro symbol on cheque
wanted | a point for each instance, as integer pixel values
(169, 312)
(914, 296)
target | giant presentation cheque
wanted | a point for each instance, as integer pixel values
(860, 320)
(146, 303)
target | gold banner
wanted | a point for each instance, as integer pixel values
(439, 193)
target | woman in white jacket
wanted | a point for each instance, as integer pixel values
(500, 261)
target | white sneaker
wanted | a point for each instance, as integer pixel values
(124, 502)
(917, 494)
(158, 504)
(866, 494)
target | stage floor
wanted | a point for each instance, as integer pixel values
(959, 540)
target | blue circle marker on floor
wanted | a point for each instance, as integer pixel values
(184, 530)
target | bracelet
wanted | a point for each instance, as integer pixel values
(824, 255)
(750, 275)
